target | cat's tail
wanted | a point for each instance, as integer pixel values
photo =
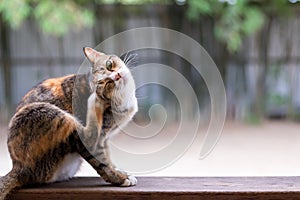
(8, 183)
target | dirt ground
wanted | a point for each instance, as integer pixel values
(269, 149)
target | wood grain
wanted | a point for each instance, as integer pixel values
(168, 188)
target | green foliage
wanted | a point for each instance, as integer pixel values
(199, 7)
(57, 17)
(235, 20)
(14, 11)
(54, 17)
(133, 2)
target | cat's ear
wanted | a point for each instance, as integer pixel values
(91, 54)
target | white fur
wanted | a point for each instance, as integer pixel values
(68, 168)
(126, 87)
(125, 91)
(91, 102)
(130, 181)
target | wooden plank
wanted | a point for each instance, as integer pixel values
(168, 188)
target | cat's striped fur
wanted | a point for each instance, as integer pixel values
(46, 141)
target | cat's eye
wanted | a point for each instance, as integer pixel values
(109, 65)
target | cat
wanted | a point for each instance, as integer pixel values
(53, 98)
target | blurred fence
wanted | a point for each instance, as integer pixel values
(263, 76)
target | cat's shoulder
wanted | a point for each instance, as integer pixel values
(58, 82)
(57, 91)
(52, 84)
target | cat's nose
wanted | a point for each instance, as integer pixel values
(118, 76)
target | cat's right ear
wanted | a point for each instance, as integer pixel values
(91, 54)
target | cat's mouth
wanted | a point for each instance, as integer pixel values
(120, 79)
(118, 76)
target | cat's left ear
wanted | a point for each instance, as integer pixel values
(91, 54)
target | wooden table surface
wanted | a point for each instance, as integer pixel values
(169, 188)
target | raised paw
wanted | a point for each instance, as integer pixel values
(130, 181)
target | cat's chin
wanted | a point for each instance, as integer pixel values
(122, 82)
(119, 84)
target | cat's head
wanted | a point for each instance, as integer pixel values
(108, 66)
(112, 67)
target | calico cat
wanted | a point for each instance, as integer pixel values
(44, 126)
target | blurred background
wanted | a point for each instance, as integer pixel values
(255, 45)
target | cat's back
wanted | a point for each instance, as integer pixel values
(57, 91)
(39, 116)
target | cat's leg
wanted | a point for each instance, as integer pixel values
(18, 177)
(111, 170)
(100, 161)
(107, 152)
(92, 146)
(109, 129)
(9, 182)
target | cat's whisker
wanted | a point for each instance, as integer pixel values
(133, 56)
(130, 58)
(126, 57)
(132, 63)
(132, 66)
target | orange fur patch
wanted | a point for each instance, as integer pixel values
(41, 146)
(54, 84)
(28, 94)
(50, 140)
(99, 115)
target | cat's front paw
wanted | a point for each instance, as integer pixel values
(130, 181)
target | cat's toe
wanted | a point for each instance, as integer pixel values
(130, 181)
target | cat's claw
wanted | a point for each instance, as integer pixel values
(130, 181)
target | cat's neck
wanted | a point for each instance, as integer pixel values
(124, 99)
(95, 112)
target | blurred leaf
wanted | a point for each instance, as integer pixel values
(134, 2)
(254, 19)
(14, 11)
(234, 42)
(57, 17)
(88, 18)
(233, 21)
(203, 7)
(199, 7)
(280, 7)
